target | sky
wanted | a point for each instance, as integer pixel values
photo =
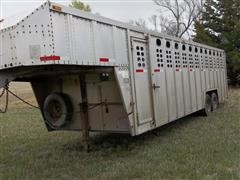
(122, 10)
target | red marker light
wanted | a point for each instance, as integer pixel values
(50, 58)
(139, 70)
(104, 60)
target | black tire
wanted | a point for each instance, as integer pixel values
(208, 105)
(214, 101)
(57, 110)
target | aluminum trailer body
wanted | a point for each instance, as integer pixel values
(93, 73)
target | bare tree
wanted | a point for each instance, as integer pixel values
(176, 17)
(140, 23)
(154, 20)
(168, 26)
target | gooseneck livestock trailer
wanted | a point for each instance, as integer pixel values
(91, 73)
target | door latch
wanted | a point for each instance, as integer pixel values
(155, 86)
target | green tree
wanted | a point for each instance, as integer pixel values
(80, 5)
(219, 26)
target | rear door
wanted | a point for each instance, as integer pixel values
(159, 85)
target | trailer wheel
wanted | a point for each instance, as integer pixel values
(57, 110)
(208, 105)
(214, 101)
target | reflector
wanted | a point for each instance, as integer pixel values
(57, 8)
(104, 60)
(50, 58)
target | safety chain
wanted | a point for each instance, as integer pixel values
(2, 93)
(5, 91)
(21, 99)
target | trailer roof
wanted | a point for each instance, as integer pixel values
(13, 20)
(101, 19)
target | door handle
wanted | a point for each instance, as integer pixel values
(155, 86)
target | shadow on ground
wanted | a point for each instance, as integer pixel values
(117, 141)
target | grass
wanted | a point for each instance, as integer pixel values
(191, 148)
